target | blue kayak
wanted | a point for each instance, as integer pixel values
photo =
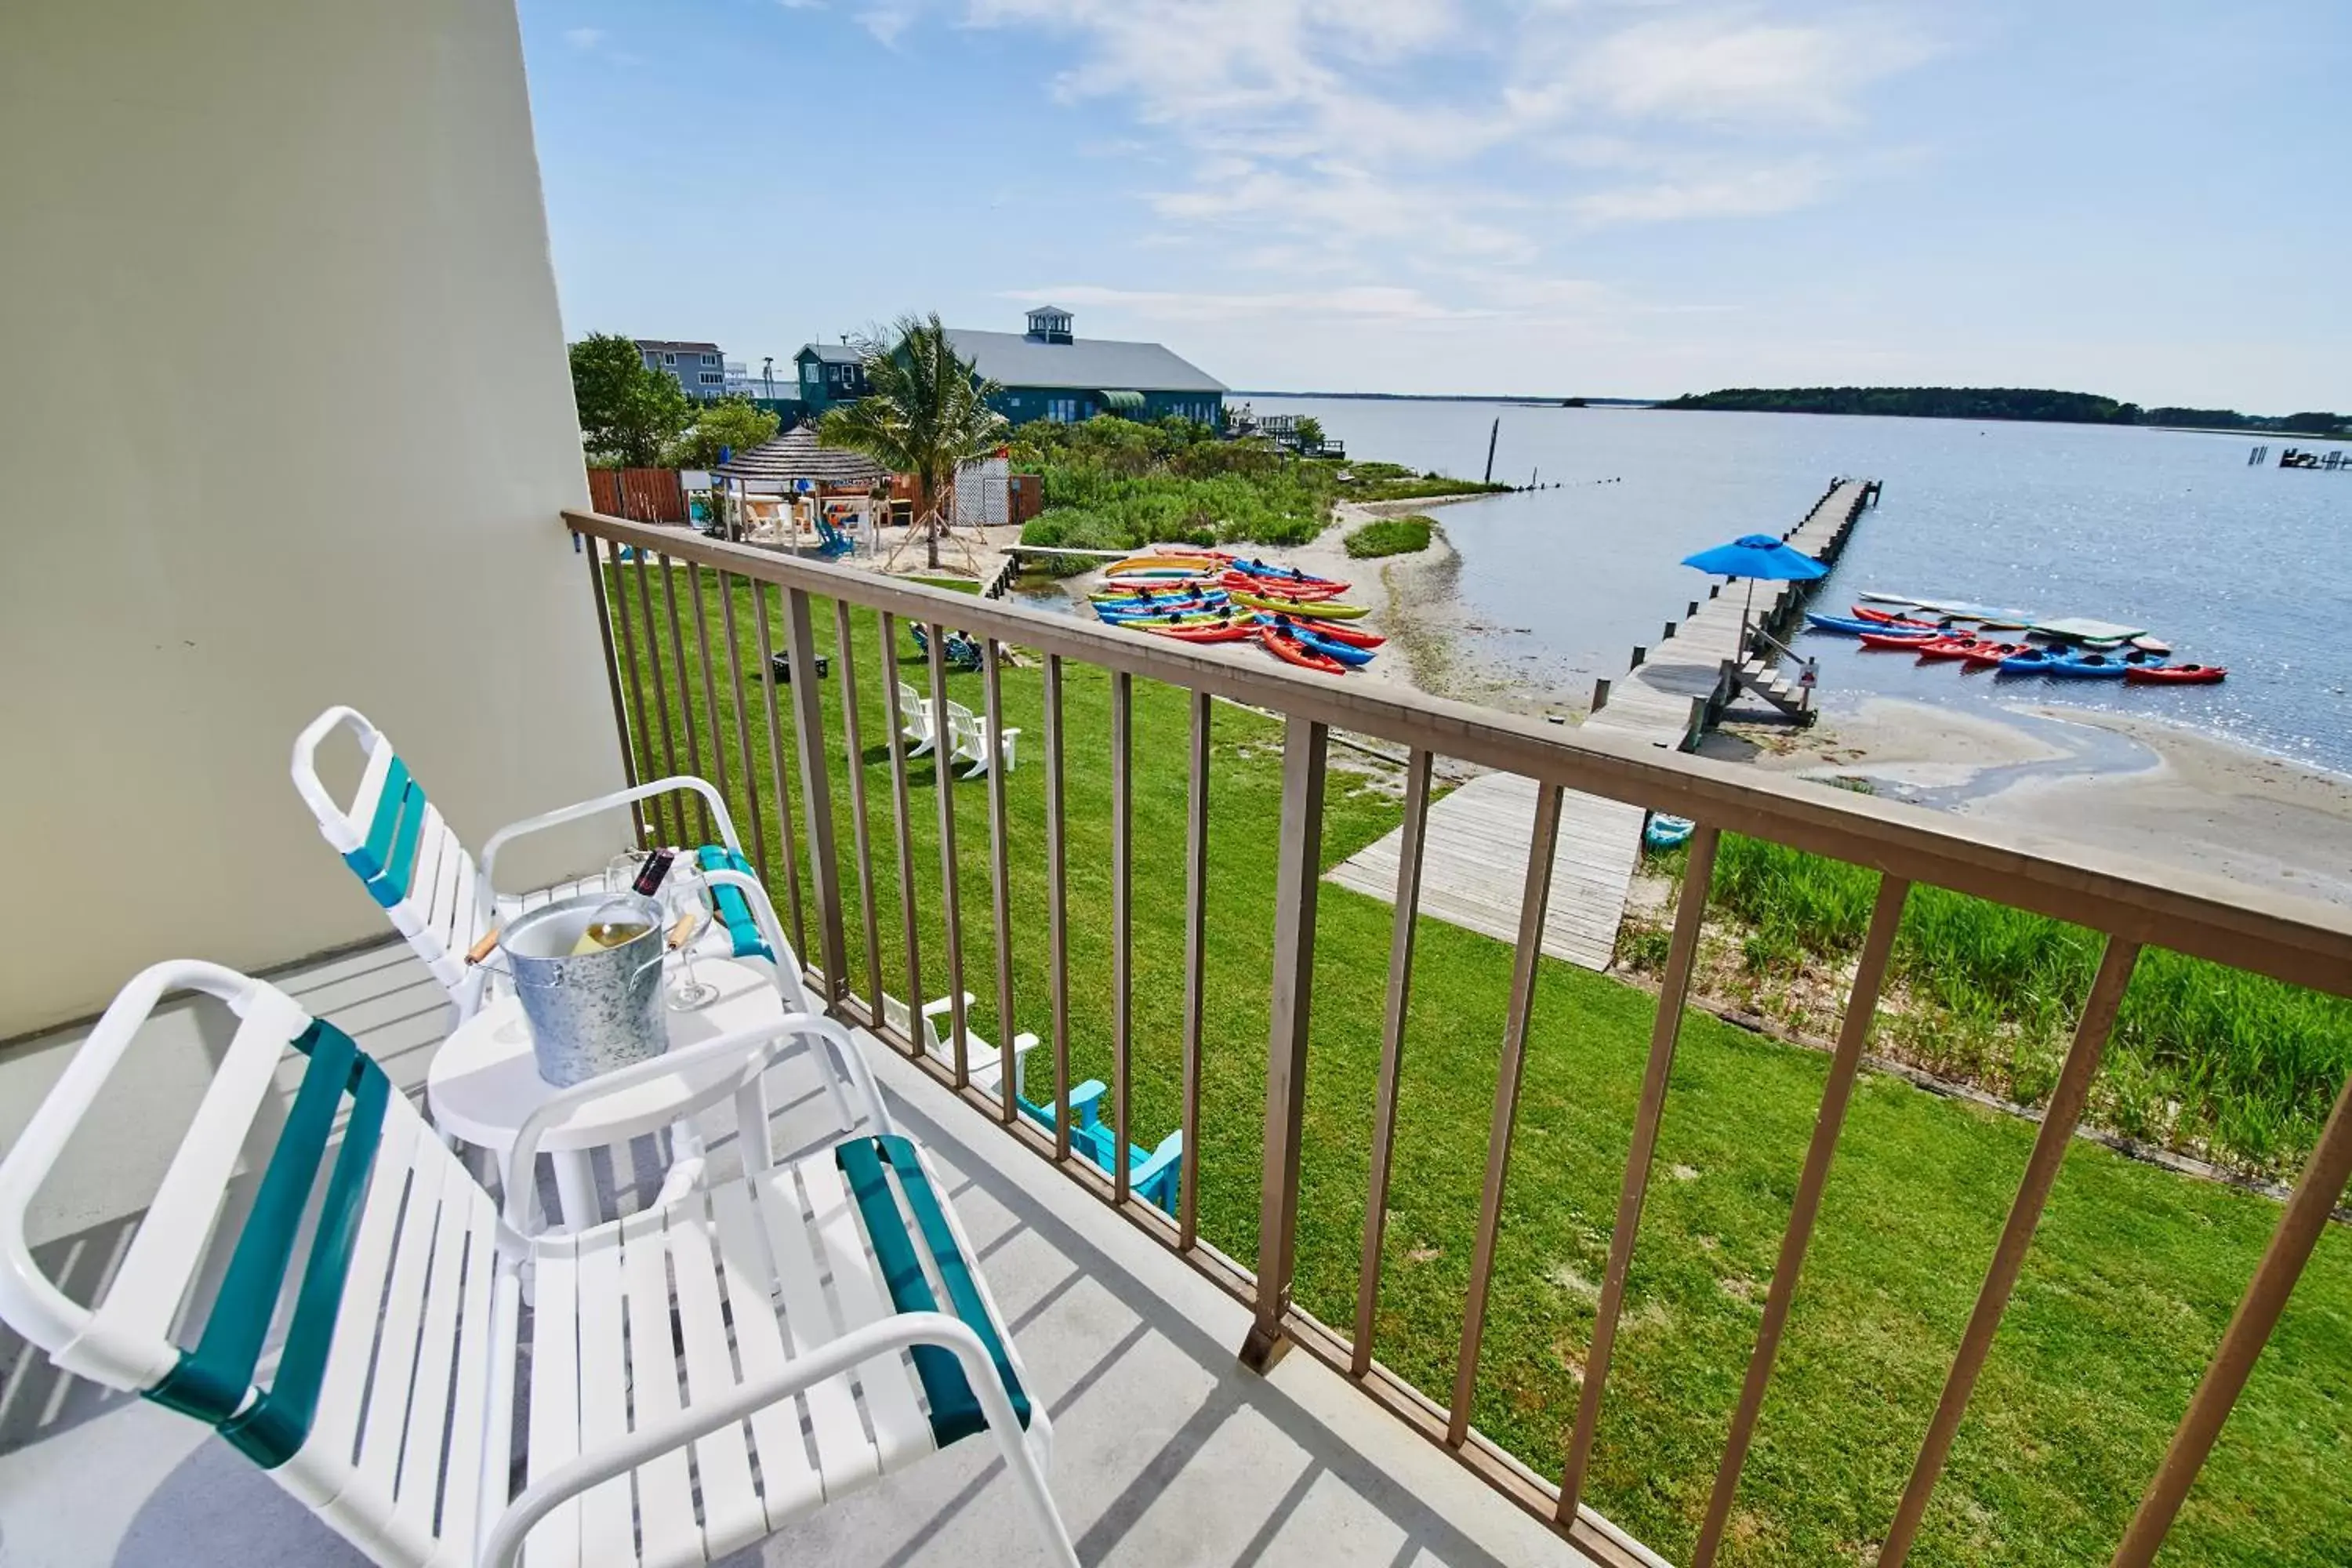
(2089, 667)
(1345, 653)
(1855, 629)
(1160, 601)
(2033, 661)
(1664, 832)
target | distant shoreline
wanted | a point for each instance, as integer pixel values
(1525, 400)
(1515, 399)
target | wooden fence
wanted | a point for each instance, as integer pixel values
(642, 495)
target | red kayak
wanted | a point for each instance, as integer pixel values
(1341, 631)
(1313, 588)
(1889, 618)
(2174, 674)
(1992, 652)
(1228, 631)
(1913, 640)
(1948, 648)
(1292, 651)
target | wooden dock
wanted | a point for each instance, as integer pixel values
(1475, 860)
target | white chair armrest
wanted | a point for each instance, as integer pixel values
(487, 886)
(503, 1547)
(946, 1004)
(30, 1302)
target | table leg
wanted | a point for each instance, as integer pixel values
(575, 1187)
(751, 1125)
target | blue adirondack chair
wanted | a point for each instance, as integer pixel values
(830, 541)
(963, 653)
(1152, 1174)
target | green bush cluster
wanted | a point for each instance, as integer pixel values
(2200, 1052)
(1391, 536)
(1117, 484)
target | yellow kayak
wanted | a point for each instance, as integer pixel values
(1192, 565)
(1305, 609)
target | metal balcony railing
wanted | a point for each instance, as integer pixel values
(2129, 903)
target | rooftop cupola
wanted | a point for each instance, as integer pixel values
(1049, 324)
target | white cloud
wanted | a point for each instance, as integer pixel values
(1744, 192)
(1366, 303)
(583, 37)
(885, 22)
(801, 4)
(1445, 159)
(1714, 68)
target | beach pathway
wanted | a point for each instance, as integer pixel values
(1474, 856)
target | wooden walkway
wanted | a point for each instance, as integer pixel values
(1474, 862)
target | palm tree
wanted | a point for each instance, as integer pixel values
(927, 414)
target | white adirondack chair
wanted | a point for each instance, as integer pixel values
(983, 1063)
(968, 734)
(918, 726)
(799, 1307)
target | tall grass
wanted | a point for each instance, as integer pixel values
(2234, 1066)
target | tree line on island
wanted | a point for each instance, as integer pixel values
(2026, 402)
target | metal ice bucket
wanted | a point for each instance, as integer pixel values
(590, 1012)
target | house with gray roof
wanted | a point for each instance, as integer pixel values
(696, 366)
(1050, 373)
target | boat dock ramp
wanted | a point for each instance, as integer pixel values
(1474, 860)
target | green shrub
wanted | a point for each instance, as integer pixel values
(2200, 1051)
(1391, 536)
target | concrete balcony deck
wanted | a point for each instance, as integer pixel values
(1167, 1452)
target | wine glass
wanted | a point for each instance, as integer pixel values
(687, 898)
(621, 871)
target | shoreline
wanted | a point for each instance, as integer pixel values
(2152, 788)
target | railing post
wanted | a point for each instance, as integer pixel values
(589, 548)
(2291, 1244)
(1665, 1034)
(1535, 898)
(816, 792)
(1299, 864)
(2059, 1116)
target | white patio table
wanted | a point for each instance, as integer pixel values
(484, 1082)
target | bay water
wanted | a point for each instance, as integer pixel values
(2233, 564)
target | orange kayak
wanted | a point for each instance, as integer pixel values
(1291, 650)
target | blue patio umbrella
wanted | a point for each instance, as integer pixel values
(1753, 556)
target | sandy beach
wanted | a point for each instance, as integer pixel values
(2141, 786)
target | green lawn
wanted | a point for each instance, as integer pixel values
(2130, 1282)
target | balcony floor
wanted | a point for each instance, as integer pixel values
(1166, 1452)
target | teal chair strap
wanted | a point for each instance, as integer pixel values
(387, 861)
(213, 1381)
(955, 1409)
(734, 909)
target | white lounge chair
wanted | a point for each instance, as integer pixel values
(414, 864)
(968, 735)
(917, 726)
(983, 1063)
(699, 1374)
(432, 888)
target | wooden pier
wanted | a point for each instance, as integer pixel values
(1473, 861)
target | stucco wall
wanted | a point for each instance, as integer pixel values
(308, 234)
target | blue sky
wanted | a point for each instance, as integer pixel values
(1609, 197)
